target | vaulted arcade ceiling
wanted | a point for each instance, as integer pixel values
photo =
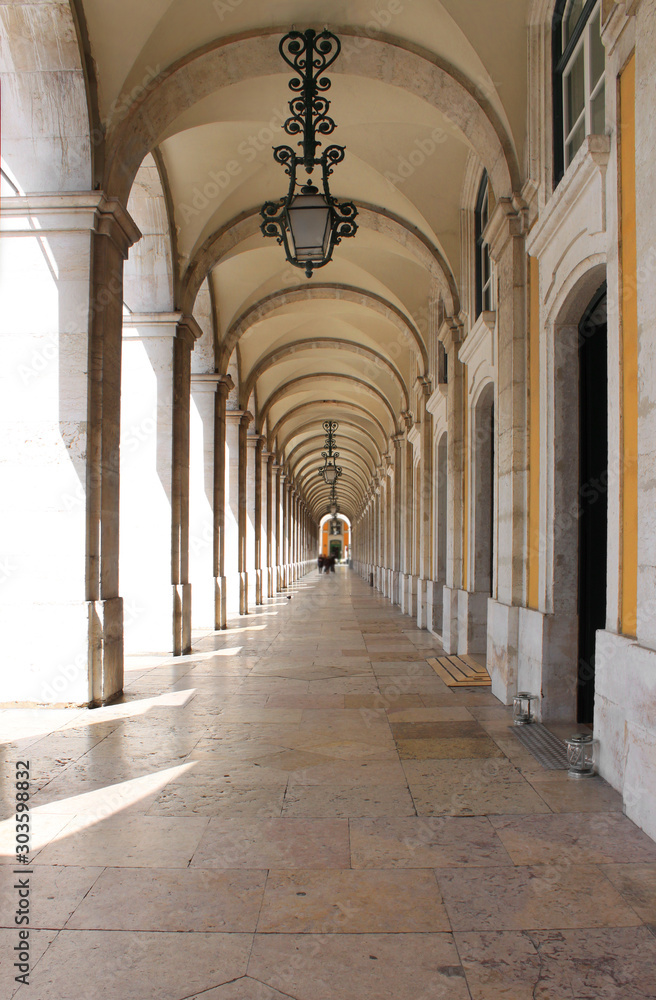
(419, 88)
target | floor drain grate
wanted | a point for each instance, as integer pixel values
(547, 749)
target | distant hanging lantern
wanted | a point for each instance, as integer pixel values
(309, 222)
(330, 471)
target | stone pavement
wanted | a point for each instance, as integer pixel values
(301, 808)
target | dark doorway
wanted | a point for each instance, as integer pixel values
(593, 490)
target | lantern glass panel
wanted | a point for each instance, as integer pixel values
(330, 474)
(581, 755)
(309, 226)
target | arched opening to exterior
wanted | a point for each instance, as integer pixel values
(592, 495)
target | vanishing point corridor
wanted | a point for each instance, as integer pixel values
(302, 809)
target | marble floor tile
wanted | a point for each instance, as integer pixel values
(132, 841)
(135, 965)
(278, 816)
(173, 899)
(422, 714)
(355, 902)
(600, 964)
(244, 988)
(573, 838)
(227, 801)
(540, 897)
(345, 749)
(565, 795)
(432, 730)
(497, 797)
(465, 748)
(40, 941)
(55, 892)
(274, 843)
(348, 801)
(350, 773)
(637, 884)
(382, 701)
(362, 966)
(44, 827)
(425, 843)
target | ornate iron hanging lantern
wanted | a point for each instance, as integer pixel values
(336, 526)
(333, 506)
(330, 471)
(309, 222)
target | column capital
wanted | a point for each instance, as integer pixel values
(509, 220)
(452, 331)
(209, 382)
(424, 382)
(141, 325)
(255, 440)
(70, 213)
(188, 330)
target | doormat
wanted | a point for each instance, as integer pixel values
(547, 749)
(460, 671)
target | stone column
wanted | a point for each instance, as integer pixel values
(398, 517)
(253, 520)
(146, 454)
(224, 385)
(456, 402)
(425, 567)
(286, 530)
(244, 550)
(280, 525)
(259, 450)
(232, 494)
(505, 233)
(409, 592)
(270, 524)
(202, 574)
(186, 335)
(62, 627)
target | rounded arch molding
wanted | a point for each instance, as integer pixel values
(344, 405)
(231, 60)
(293, 386)
(308, 293)
(225, 241)
(271, 359)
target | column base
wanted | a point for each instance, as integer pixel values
(181, 619)
(243, 593)
(409, 601)
(434, 606)
(450, 619)
(544, 660)
(472, 622)
(220, 603)
(625, 723)
(422, 597)
(396, 587)
(106, 644)
(502, 650)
